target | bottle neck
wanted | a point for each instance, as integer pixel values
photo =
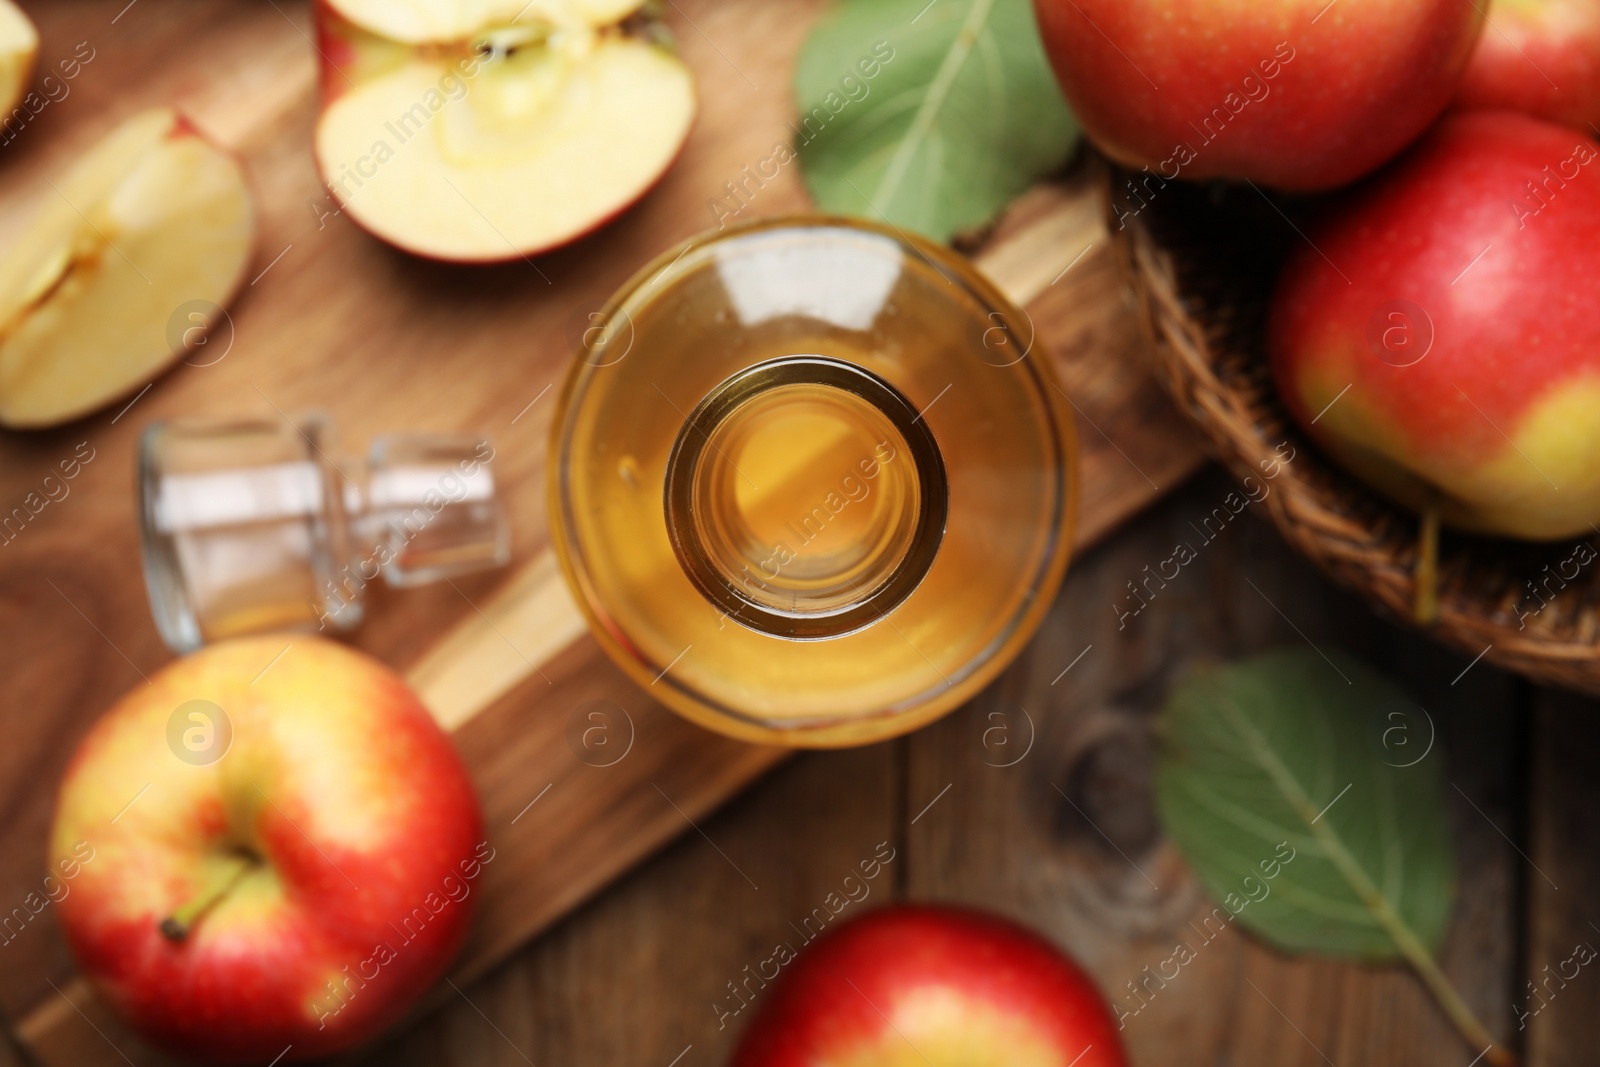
(805, 497)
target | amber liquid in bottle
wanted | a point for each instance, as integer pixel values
(809, 483)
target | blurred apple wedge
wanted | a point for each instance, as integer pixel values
(153, 218)
(463, 132)
(19, 46)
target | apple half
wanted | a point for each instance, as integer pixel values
(154, 218)
(482, 130)
(425, 21)
(19, 47)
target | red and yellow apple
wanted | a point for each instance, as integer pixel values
(154, 219)
(19, 47)
(1437, 333)
(1541, 57)
(1297, 94)
(921, 985)
(283, 851)
(491, 130)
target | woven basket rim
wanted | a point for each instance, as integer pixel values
(1221, 383)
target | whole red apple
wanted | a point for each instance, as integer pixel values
(1437, 331)
(1297, 94)
(282, 846)
(910, 985)
(1541, 57)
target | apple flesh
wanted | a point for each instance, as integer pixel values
(19, 47)
(931, 986)
(1436, 332)
(154, 217)
(1541, 57)
(452, 131)
(1297, 94)
(301, 888)
(423, 21)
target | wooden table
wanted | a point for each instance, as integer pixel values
(1065, 839)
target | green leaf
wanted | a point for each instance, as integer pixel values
(1290, 746)
(960, 114)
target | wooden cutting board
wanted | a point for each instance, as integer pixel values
(335, 320)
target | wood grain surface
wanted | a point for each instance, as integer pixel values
(334, 320)
(1559, 987)
(1065, 839)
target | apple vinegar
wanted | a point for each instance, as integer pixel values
(810, 484)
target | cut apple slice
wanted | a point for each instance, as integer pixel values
(423, 21)
(153, 219)
(19, 46)
(532, 139)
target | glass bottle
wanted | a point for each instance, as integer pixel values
(810, 483)
(250, 525)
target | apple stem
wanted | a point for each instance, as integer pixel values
(1467, 1024)
(1426, 605)
(176, 926)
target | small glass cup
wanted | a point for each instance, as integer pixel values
(250, 525)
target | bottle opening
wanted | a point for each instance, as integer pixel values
(805, 497)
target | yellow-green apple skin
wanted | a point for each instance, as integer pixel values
(1438, 331)
(1541, 57)
(1298, 94)
(362, 832)
(929, 986)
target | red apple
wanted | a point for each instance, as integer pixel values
(492, 130)
(1541, 57)
(1437, 331)
(913, 985)
(273, 852)
(1298, 94)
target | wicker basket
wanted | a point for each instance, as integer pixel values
(1202, 261)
